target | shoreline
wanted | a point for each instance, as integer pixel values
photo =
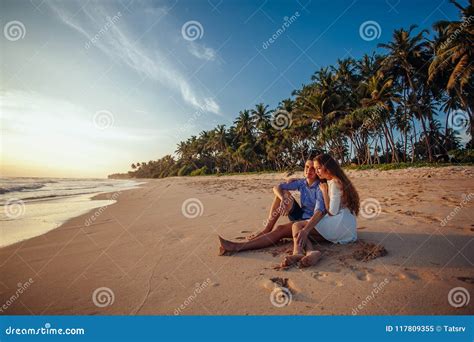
(39, 223)
(153, 258)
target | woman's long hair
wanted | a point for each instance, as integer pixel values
(349, 194)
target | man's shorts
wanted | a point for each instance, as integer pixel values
(296, 213)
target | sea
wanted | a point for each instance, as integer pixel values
(30, 207)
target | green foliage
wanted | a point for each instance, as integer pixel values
(463, 156)
(185, 170)
(200, 172)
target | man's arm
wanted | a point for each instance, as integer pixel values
(282, 192)
(293, 185)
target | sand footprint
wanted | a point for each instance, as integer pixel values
(406, 275)
(319, 275)
(469, 280)
(278, 282)
(363, 275)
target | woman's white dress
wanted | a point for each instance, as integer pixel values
(339, 225)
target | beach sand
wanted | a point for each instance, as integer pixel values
(147, 255)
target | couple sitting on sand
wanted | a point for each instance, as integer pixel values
(329, 205)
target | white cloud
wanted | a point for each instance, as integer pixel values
(202, 52)
(31, 115)
(114, 40)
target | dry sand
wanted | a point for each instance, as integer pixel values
(155, 260)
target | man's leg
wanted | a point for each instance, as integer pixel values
(273, 215)
(265, 240)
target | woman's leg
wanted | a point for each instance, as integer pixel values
(265, 240)
(298, 252)
(312, 255)
(296, 228)
(273, 215)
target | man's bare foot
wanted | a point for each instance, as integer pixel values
(291, 260)
(310, 259)
(226, 246)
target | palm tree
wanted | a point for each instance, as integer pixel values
(407, 55)
(260, 116)
(244, 126)
(381, 92)
(453, 63)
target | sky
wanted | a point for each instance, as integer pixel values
(88, 87)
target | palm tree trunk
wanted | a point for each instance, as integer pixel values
(427, 142)
(405, 118)
(392, 145)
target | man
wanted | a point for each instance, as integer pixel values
(312, 208)
(284, 203)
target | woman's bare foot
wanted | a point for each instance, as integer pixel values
(291, 260)
(226, 246)
(310, 259)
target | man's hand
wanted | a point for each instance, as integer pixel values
(285, 205)
(302, 237)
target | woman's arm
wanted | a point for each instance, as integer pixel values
(324, 191)
(335, 196)
(313, 221)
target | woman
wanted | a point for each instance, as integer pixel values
(341, 202)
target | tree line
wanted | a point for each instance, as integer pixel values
(386, 107)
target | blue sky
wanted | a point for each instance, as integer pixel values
(90, 86)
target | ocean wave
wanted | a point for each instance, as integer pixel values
(46, 197)
(22, 187)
